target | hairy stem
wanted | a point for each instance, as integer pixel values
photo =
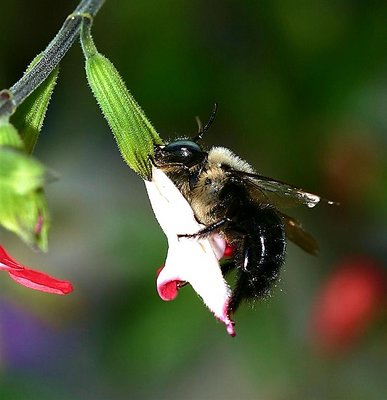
(52, 55)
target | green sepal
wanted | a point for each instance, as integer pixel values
(133, 132)
(19, 172)
(23, 208)
(9, 136)
(29, 116)
(26, 215)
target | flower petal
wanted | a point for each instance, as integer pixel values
(194, 261)
(189, 259)
(31, 278)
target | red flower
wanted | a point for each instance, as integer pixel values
(348, 303)
(32, 279)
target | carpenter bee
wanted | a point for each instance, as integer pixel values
(229, 198)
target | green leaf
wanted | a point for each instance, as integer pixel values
(29, 116)
(133, 132)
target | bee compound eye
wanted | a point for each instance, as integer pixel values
(183, 147)
(184, 153)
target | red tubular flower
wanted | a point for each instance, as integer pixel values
(348, 303)
(31, 278)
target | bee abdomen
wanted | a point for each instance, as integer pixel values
(259, 255)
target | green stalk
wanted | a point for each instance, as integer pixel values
(52, 55)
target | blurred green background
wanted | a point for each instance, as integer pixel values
(302, 93)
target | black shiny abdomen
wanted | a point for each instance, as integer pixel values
(259, 242)
(257, 235)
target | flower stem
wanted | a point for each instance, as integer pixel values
(52, 55)
(87, 42)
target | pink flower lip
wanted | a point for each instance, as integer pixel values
(168, 290)
(31, 278)
(228, 251)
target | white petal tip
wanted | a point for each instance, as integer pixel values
(229, 323)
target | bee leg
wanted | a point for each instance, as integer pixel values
(203, 233)
(227, 266)
(239, 292)
(171, 164)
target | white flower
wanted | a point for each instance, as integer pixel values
(189, 260)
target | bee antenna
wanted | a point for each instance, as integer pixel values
(200, 125)
(204, 129)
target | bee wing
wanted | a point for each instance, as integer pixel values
(295, 232)
(280, 194)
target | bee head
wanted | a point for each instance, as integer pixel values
(184, 153)
(180, 152)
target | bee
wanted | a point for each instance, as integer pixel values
(231, 199)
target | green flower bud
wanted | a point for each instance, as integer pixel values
(29, 116)
(19, 172)
(9, 136)
(133, 132)
(26, 215)
(23, 208)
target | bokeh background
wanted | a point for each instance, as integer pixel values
(302, 93)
